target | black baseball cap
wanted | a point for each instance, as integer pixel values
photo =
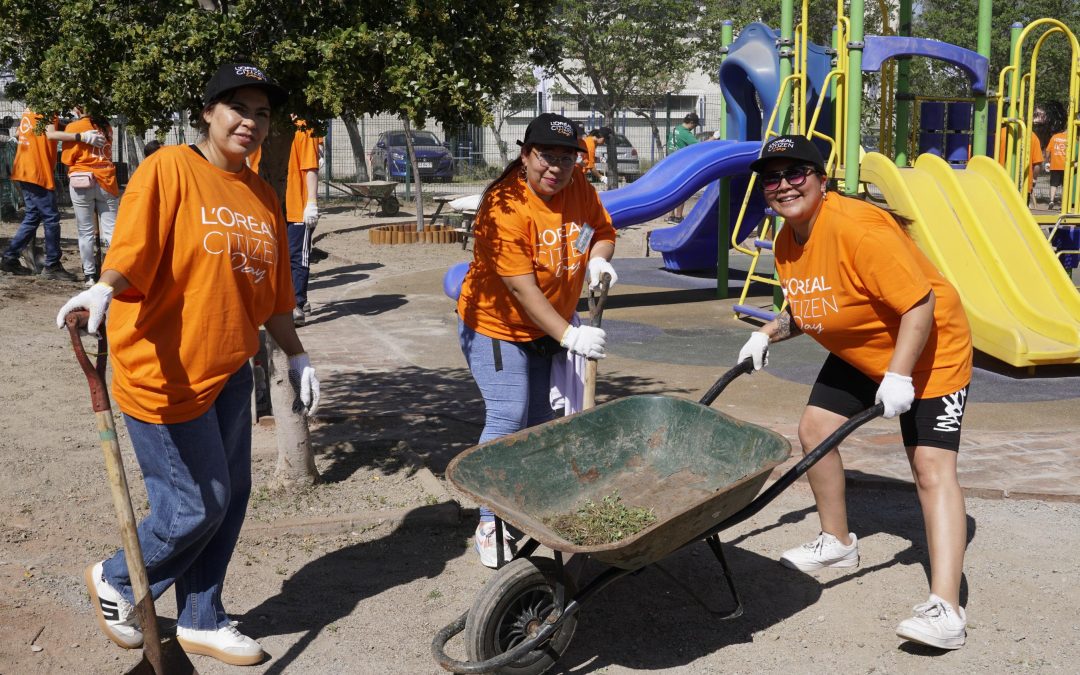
(231, 76)
(798, 148)
(552, 129)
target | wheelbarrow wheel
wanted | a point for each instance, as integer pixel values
(390, 206)
(511, 608)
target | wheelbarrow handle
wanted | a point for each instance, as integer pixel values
(743, 367)
(804, 464)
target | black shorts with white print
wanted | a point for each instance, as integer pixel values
(845, 390)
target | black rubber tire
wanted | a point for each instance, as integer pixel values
(520, 593)
(390, 206)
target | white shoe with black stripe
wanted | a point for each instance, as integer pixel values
(115, 615)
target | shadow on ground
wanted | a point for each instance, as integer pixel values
(330, 588)
(658, 619)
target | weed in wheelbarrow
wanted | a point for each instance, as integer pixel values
(603, 522)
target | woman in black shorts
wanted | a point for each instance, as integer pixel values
(897, 334)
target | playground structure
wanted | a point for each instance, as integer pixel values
(970, 215)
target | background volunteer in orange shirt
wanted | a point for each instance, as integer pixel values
(302, 211)
(95, 192)
(198, 263)
(595, 138)
(1056, 148)
(540, 230)
(897, 334)
(35, 162)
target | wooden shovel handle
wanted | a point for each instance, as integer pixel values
(118, 486)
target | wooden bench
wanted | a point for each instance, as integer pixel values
(441, 201)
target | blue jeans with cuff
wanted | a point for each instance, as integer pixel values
(198, 478)
(517, 395)
(40, 208)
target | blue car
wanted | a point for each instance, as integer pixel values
(390, 157)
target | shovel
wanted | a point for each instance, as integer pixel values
(596, 314)
(160, 657)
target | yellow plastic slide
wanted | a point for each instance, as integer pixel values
(1023, 308)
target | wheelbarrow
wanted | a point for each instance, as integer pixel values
(697, 468)
(380, 191)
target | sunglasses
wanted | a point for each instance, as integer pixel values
(795, 176)
(561, 161)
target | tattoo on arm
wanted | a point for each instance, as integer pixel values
(785, 327)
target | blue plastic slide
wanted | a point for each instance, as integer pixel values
(692, 244)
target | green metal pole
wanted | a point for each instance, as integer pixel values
(982, 113)
(723, 210)
(1012, 83)
(854, 102)
(903, 88)
(787, 63)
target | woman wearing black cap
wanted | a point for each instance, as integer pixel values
(897, 335)
(540, 230)
(199, 260)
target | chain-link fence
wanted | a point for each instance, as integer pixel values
(456, 159)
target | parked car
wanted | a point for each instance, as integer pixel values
(627, 158)
(390, 157)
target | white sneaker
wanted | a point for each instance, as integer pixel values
(936, 624)
(299, 318)
(225, 644)
(485, 544)
(115, 615)
(825, 551)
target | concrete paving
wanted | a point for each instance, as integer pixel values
(385, 342)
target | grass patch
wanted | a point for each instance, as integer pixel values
(603, 522)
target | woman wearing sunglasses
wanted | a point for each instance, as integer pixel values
(897, 334)
(540, 229)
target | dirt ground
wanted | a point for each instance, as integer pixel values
(357, 574)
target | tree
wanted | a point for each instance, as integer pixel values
(442, 59)
(618, 51)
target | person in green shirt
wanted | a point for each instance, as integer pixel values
(680, 137)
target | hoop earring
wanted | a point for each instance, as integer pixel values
(524, 174)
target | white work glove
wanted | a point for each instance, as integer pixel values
(603, 179)
(302, 378)
(311, 214)
(95, 299)
(92, 137)
(897, 393)
(597, 267)
(757, 347)
(584, 340)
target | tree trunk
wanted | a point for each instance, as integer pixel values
(357, 143)
(415, 174)
(612, 154)
(499, 142)
(656, 139)
(295, 462)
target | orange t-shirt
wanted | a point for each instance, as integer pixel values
(1056, 149)
(207, 255)
(848, 286)
(35, 157)
(303, 157)
(1036, 156)
(518, 233)
(83, 157)
(253, 160)
(590, 153)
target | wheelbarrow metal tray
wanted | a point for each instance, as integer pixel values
(374, 189)
(692, 465)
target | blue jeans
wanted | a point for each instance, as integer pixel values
(516, 396)
(299, 252)
(40, 208)
(198, 478)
